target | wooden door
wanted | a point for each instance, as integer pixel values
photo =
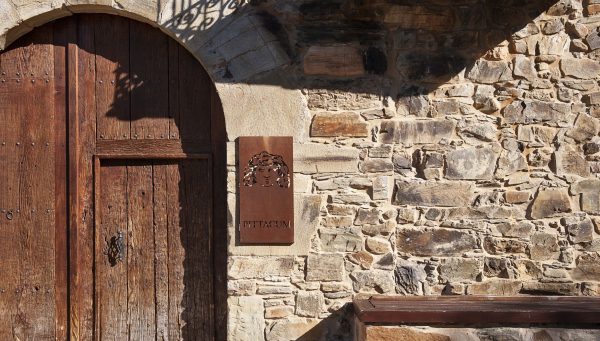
(33, 210)
(153, 253)
(111, 127)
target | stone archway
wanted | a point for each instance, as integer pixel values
(226, 37)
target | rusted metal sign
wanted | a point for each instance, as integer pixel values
(266, 191)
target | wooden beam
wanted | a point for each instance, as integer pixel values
(147, 149)
(478, 310)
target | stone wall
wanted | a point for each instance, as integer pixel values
(453, 149)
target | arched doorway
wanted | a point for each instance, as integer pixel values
(112, 167)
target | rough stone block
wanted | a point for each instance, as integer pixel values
(367, 216)
(357, 198)
(580, 229)
(433, 193)
(550, 202)
(434, 242)
(378, 245)
(362, 258)
(496, 288)
(531, 111)
(246, 318)
(588, 268)
(321, 158)
(524, 67)
(391, 333)
(381, 188)
(337, 221)
(413, 105)
(580, 68)
(544, 247)
(309, 303)
(538, 288)
(585, 128)
(416, 132)
(292, 328)
(277, 312)
(375, 281)
(376, 165)
(489, 72)
(383, 151)
(471, 164)
(516, 197)
(259, 267)
(459, 269)
(333, 124)
(520, 229)
(570, 161)
(340, 241)
(409, 278)
(589, 190)
(329, 267)
(498, 246)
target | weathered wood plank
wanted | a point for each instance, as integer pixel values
(161, 247)
(195, 188)
(176, 254)
(113, 83)
(478, 309)
(140, 252)
(149, 67)
(63, 31)
(82, 93)
(34, 301)
(111, 279)
(194, 100)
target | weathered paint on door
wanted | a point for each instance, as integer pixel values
(108, 126)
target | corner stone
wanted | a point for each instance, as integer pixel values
(246, 319)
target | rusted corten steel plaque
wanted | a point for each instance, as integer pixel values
(266, 191)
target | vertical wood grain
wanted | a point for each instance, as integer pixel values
(111, 281)
(140, 252)
(82, 97)
(113, 83)
(149, 67)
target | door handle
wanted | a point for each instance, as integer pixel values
(115, 250)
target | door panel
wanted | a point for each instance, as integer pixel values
(158, 283)
(32, 198)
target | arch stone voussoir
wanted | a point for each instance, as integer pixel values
(227, 38)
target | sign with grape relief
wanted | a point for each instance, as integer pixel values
(266, 192)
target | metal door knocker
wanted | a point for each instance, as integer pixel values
(115, 250)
